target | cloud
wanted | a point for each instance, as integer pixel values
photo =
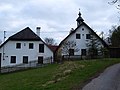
(57, 16)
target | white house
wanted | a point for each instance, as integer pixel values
(81, 36)
(24, 47)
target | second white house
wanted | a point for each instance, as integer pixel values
(81, 36)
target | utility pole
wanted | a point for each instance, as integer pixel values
(3, 45)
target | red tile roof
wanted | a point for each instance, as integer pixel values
(53, 47)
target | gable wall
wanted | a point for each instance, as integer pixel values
(10, 50)
(80, 43)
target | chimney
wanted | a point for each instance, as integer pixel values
(38, 31)
(72, 29)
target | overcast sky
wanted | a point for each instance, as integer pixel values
(55, 17)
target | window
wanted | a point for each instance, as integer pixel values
(25, 59)
(13, 59)
(31, 45)
(77, 36)
(87, 36)
(82, 29)
(41, 48)
(71, 52)
(83, 52)
(18, 45)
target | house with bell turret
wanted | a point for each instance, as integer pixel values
(81, 35)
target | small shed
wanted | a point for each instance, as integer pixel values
(114, 52)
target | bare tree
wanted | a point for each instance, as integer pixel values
(69, 48)
(93, 45)
(115, 2)
(50, 41)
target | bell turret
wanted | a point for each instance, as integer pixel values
(79, 19)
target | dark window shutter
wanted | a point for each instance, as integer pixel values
(41, 48)
(78, 36)
(18, 45)
(31, 45)
(13, 59)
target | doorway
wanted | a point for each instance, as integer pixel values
(83, 52)
(40, 60)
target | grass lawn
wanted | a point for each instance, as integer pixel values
(64, 76)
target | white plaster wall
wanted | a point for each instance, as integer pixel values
(10, 50)
(80, 43)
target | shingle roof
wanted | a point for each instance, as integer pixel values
(25, 35)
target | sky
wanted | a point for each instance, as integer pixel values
(55, 17)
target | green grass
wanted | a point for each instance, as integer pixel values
(54, 77)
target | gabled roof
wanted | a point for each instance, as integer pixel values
(25, 35)
(83, 23)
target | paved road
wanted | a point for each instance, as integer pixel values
(108, 80)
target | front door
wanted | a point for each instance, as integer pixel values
(83, 52)
(25, 59)
(71, 52)
(40, 60)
